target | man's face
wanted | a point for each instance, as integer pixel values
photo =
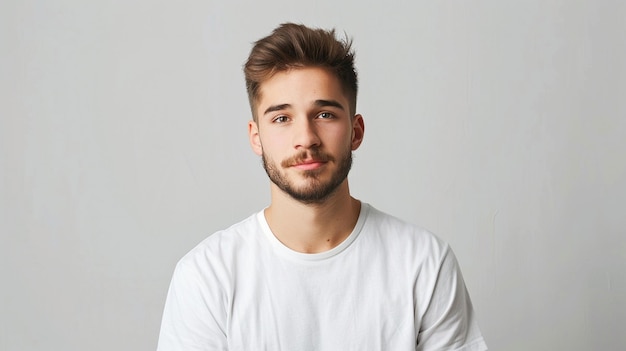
(305, 133)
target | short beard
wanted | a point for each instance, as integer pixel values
(316, 192)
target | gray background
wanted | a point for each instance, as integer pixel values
(499, 125)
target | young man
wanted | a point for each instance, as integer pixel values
(317, 269)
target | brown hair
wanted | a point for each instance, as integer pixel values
(295, 46)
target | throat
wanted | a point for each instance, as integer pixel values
(313, 229)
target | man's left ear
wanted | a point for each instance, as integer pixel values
(358, 129)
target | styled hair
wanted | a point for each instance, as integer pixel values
(297, 46)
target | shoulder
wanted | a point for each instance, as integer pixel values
(404, 237)
(219, 249)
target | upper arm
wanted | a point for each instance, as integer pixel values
(194, 317)
(448, 321)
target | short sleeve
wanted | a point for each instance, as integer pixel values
(194, 313)
(449, 323)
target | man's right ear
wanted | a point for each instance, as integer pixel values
(255, 139)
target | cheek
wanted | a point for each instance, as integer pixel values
(340, 137)
(273, 143)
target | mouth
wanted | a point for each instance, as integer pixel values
(307, 165)
(307, 160)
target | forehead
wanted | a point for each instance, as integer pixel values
(298, 86)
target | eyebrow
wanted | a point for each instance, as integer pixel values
(275, 108)
(332, 103)
(318, 103)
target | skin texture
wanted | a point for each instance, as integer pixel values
(305, 135)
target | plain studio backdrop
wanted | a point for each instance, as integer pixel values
(498, 125)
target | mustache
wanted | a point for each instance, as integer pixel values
(306, 155)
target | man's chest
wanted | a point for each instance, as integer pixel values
(346, 306)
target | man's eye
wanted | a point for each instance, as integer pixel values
(280, 119)
(325, 115)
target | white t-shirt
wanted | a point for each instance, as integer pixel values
(388, 286)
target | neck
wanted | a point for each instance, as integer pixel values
(312, 228)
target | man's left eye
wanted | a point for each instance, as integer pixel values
(325, 115)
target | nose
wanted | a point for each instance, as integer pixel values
(305, 134)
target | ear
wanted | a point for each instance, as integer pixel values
(255, 139)
(358, 129)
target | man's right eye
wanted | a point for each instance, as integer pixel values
(280, 119)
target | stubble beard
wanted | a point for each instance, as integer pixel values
(316, 191)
